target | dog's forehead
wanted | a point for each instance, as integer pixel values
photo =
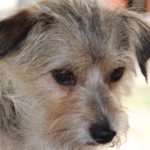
(89, 30)
(80, 34)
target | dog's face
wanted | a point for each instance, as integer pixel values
(64, 65)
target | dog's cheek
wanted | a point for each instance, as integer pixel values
(8, 117)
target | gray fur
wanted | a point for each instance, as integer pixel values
(91, 40)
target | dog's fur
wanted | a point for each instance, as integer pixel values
(36, 112)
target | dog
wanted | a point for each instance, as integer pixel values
(64, 66)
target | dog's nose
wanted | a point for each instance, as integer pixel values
(101, 134)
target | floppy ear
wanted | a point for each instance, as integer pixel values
(14, 30)
(143, 49)
(139, 32)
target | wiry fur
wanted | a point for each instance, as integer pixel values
(36, 113)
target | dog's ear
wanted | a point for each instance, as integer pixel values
(143, 49)
(13, 30)
(139, 34)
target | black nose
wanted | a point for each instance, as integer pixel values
(101, 134)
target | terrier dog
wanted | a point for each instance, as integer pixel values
(63, 66)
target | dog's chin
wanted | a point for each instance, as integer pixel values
(92, 145)
(96, 146)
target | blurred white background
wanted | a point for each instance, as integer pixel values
(7, 6)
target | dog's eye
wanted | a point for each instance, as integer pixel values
(64, 77)
(117, 74)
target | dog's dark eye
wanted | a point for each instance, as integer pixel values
(117, 74)
(64, 77)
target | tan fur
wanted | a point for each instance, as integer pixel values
(85, 37)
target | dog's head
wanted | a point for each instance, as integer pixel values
(63, 67)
